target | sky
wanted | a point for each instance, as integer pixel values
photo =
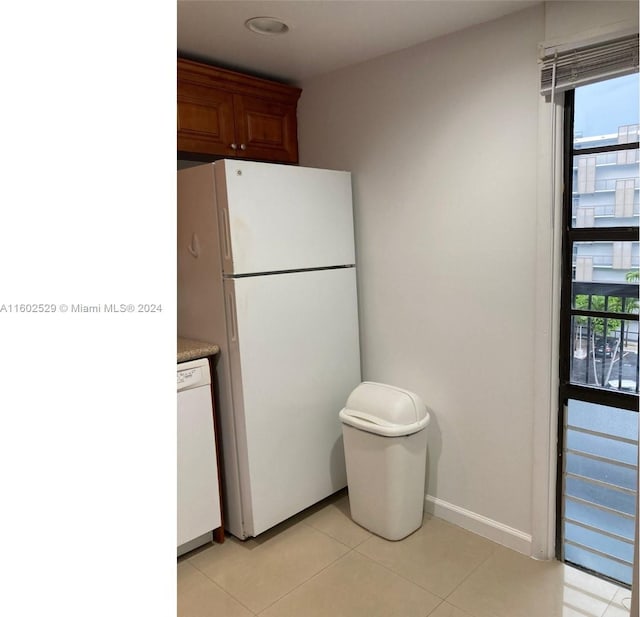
(602, 107)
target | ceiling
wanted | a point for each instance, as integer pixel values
(324, 35)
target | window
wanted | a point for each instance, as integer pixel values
(625, 193)
(598, 423)
(586, 174)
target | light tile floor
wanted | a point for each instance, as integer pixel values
(321, 564)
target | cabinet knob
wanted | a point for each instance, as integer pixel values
(243, 146)
(234, 146)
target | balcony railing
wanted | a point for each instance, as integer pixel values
(607, 210)
(607, 260)
(608, 184)
(613, 158)
(604, 347)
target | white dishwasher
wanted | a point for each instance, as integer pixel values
(197, 469)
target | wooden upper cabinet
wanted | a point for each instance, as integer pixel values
(205, 119)
(227, 114)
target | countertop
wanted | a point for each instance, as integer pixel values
(190, 349)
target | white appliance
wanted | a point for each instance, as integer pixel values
(266, 271)
(198, 494)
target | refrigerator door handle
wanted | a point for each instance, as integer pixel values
(194, 246)
(226, 234)
(232, 317)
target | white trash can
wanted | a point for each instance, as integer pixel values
(385, 446)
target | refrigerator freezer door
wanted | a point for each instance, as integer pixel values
(295, 359)
(279, 217)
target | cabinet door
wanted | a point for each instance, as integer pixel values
(266, 130)
(205, 120)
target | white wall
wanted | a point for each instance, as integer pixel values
(454, 247)
(569, 18)
(441, 139)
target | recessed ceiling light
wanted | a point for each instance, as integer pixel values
(266, 25)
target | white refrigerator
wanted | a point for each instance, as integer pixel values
(266, 270)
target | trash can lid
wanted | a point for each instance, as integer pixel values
(385, 410)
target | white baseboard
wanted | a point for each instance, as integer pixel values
(481, 525)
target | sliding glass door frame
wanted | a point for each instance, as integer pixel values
(571, 235)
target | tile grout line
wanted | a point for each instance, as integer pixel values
(491, 554)
(420, 586)
(435, 608)
(305, 581)
(378, 563)
(464, 612)
(233, 597)
(227, 593)
(496, 546)
(334, 538)
(404, 578)
(351, 549)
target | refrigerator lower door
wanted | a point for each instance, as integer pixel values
(294, 351)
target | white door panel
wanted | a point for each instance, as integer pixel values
(279, 217)
(299, 354)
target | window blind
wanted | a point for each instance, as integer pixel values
(580, 65)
